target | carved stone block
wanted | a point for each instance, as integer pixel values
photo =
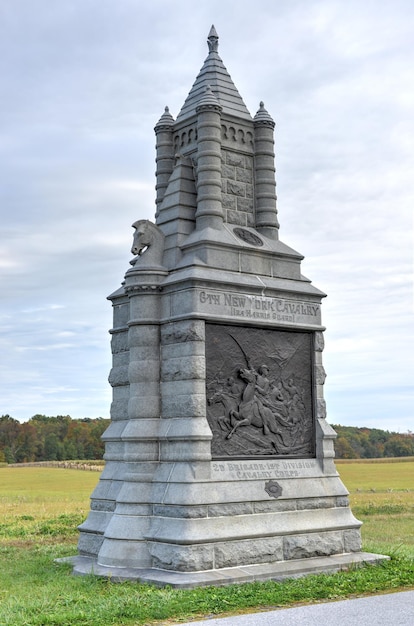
(267, 550)
(238, 189)
(182, 558)
(232, 158)
(307, 546)
(352, 541)
(237, 217)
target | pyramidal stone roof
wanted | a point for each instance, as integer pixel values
(214, 74)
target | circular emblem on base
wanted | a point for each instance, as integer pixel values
(273, 489)
(248, 237)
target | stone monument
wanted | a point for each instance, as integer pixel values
(219, 460)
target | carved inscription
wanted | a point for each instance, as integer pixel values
(261, 470)
(260, 307)
(259, 392)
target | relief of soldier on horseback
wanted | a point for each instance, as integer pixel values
(262, 409)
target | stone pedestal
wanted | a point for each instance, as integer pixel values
(219, 460)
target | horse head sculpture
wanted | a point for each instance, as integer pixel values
(148, 244)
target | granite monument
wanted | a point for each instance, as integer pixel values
(219, 459)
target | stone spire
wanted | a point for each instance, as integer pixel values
(215, 74)
(165, 153)
(265, 188)
(209, 182)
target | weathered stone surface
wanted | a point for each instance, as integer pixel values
(238, 189)
(142, 450)
(147, 371)
(103, 505)
(89, 543)
(228, 171)
(179, 332)
(187, 512)
(118, 375)
(229, 201)
(274, 505)
(119, 342)
(182, 558)
(139, 334)
(320, 375)
(342, 501)
(239, 508)
(244, 175)
(141, 429)
(232, 158)
(250, 219)
(236, 553)
(312, 544)
(245, 204)
(141, 407)
(237, 217)
(124, 553)
(352, 541)
(119, 408)
(183, 368)
(183, 405)
(127, 527)
(178, 350)
(319, 341)
(97, 522)
(321, 408)
(182, 449)
(316, 503)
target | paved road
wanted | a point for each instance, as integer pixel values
(392, 609)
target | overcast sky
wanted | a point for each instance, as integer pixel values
(83, 84)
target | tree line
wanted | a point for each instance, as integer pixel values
(62, 438)
(371, 443)
(44, 438)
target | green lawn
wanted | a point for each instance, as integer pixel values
(41, 507)
(382, 496)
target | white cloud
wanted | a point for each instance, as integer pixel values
(84, 84)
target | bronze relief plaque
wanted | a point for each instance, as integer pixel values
(259, 392)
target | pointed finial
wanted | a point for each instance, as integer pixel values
(212, 40)
(209, 100)
(263, 117)
(166, 120)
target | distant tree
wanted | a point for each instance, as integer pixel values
(27, 443)
(51, 438)
(369, 443)
(343, 449)
(399, 445)
(9, 438)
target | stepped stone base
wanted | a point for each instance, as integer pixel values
(279, 571)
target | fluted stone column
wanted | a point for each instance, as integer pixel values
(165, 154)
(209, 203)
(265, 181)
(185, 450)
(103, 498)
(325, 434)
(184, 433)
(124, 539)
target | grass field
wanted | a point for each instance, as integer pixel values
(40, 508)
(382, 496)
